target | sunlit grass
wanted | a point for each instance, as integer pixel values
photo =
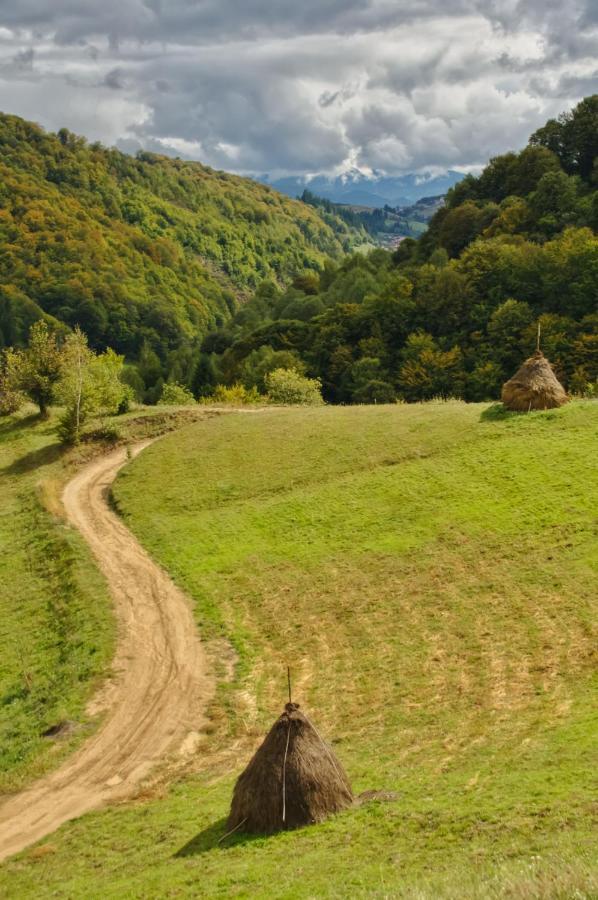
(56, 632)
(429, 574)
(56, 622)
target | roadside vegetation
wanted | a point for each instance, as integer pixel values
(56, 623)
(429, 574)
(56, 632)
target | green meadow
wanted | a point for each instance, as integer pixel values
(56, 630)
(428, 572)
(56, 624)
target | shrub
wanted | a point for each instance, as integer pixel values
(11, 398)
(127, 399)
(580, 384)
(109, 432)
(375, 391)
(289, 387)
(235, 394)
(69, 426)
(175, 394)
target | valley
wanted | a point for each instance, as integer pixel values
(252, 454)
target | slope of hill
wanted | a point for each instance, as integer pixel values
(56, 637)
(455, 312)
(138, 250)
(428, 572)
(57, 634)
(384, 224)
(375, 190)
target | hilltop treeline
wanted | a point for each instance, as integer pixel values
(455, 312)
(146, 254)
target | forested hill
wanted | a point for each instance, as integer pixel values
(455, 312)
(140, 251)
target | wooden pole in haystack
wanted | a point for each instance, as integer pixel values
(293, 779)
(534, 385)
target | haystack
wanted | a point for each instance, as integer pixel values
(534, 386)
(293, 779)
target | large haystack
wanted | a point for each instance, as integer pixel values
(293, 779)
(534, 386)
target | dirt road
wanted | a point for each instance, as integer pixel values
(157, 699)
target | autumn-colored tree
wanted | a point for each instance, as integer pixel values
(11, 397)
(428, 372)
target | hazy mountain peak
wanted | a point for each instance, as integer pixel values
(376, 189)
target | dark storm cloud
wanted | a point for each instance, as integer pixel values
(114, 79)
(264, 85)
(24, 58)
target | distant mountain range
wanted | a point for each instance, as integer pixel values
(356, 188)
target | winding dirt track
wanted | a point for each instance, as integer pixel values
(161, 687)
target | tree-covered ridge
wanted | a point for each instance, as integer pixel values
(139, 251)
(455, 312)
(550, 185)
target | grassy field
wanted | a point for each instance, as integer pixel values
(56, 633)
(56, 626)
(429, 574)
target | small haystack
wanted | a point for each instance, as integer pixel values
(534, 386)
(293, 779)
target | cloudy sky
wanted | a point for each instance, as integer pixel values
(296, 86)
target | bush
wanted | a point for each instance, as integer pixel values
(236, 394)
(375, 391)
(289, 387)
(127, 400)
(69, 426)
(108, 432)
(175, 394)
(11, 399)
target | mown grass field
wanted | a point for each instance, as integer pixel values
(429, 574)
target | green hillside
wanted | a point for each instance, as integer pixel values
(429, 574)
(56, 618)
(454, 313)
(139, 249)
(382, 225)
(56, 633)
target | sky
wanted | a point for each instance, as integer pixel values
(300, 86)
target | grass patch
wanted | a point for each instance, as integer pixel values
(56, 625)
(429, 574)
(56, 634)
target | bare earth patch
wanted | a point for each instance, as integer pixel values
(154, 706)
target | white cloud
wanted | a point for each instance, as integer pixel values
(274, 85)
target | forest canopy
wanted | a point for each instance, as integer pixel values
(455, 312)
(200, 278)
(145, 254)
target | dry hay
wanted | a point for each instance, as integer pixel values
(534, 386)
(293, 779)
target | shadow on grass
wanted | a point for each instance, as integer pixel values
(211, 838)
(17, 424)
(497, 412)
(34, 460)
